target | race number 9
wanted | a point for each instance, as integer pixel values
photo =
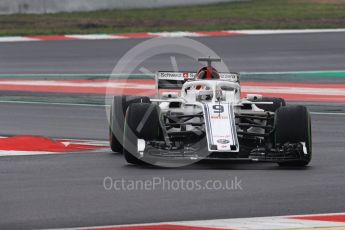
(218, 108)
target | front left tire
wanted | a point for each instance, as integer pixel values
(293, 125)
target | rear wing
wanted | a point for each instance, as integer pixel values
(175, 80)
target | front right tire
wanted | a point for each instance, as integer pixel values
(141, 122)
(117, 118)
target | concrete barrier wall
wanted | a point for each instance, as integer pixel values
(54, 6)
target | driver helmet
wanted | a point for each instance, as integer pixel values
(207, 73)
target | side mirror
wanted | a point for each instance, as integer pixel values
(169, 95)
(254, 97)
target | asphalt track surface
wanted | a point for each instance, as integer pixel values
(67, 190)
(289, 52)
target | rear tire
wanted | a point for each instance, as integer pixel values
(117, 118)
(141, 122)
(293, 125)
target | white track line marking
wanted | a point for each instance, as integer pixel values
(52, 103)
(66, 83)
(294, 90)
(17, 39)
(7, 153)
(293, 72)
(93, 36)
(296, 31)
(81, 141)
(325, 113)
(177, 34)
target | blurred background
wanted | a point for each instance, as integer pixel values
(47, 17)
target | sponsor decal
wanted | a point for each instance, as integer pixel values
(219, 117)
(191, 76)
(219, 130)
(229, 77)
(223, 141)
(185, 75)
(171, 76)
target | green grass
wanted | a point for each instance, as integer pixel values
(256, 14)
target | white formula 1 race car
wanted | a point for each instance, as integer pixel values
(207, 119)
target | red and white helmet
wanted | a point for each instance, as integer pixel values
(208, 73)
